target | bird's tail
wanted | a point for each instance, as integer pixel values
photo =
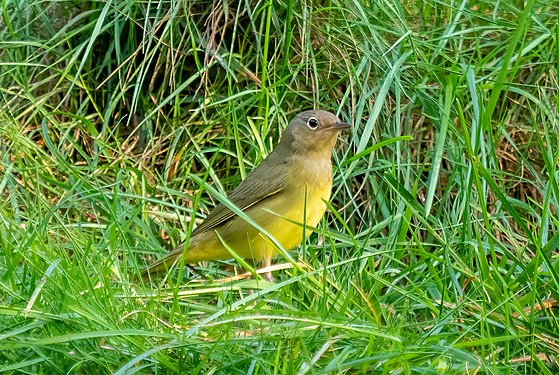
(163, 265)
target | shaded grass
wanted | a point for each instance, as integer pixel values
(438, 255)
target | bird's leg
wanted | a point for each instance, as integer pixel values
(267, 262)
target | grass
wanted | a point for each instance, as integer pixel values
(438, 254)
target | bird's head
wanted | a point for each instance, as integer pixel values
(313, 132)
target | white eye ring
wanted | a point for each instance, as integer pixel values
(312, 123)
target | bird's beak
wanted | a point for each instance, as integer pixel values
(340, 126)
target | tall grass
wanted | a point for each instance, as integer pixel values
(439, 250)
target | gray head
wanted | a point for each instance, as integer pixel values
(313, 132)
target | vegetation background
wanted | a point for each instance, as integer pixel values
(438, 254)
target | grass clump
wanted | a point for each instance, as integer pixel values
(439, 251)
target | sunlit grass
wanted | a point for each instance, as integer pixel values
(439, 250)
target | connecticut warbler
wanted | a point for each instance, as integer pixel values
(285, 191)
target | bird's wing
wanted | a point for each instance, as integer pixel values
(267, 180)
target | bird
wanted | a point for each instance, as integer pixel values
(286, 192)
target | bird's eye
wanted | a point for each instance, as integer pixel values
(312, 123)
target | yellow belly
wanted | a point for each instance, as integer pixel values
(278, 215)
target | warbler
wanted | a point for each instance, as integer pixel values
(284, 193)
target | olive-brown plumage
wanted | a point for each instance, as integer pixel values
(289, 186)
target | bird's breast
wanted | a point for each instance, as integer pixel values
(310, 182)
